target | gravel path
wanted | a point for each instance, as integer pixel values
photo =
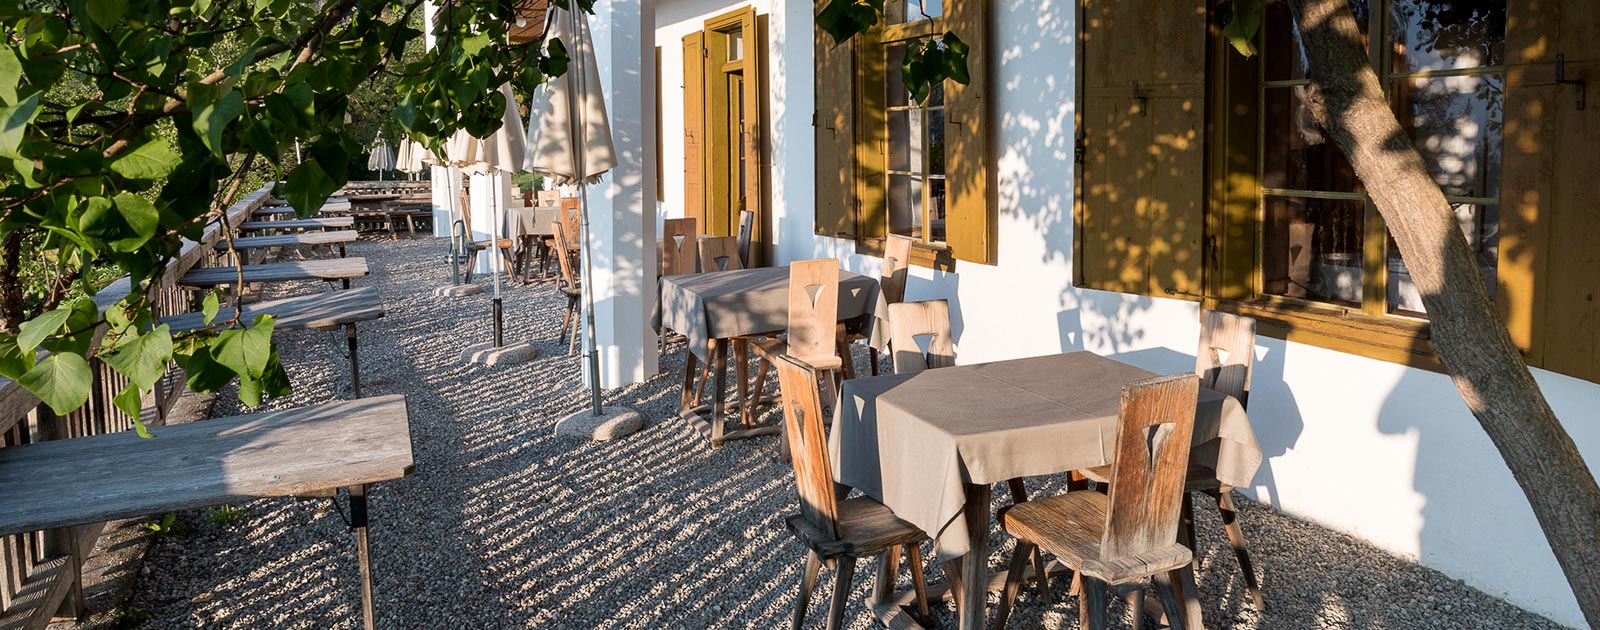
(503, 526)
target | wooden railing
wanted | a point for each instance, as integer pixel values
(41, 572)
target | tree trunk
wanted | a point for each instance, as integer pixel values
(1468, 335)
(12, 294)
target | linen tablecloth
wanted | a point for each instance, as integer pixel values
(725, 304)
(913, 441)
(531, 221)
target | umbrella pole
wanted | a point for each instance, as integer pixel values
(587, 286)
(494, 255)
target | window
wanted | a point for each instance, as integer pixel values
(889, 165)
(724, 160)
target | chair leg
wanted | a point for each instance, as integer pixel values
(1169, 600)
(1019, 494)
(888, 575)
(872, 353)
(841, 592)
(1135, 599)
(1092, 605)
(808, 582)
(1019, 564)
(918, 582)
(1230, 523)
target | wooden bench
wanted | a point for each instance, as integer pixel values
(297, 452)
(319, 223)
(320, 311)
(336, 237)
(342, 269)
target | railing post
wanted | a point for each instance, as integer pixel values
(62, 541)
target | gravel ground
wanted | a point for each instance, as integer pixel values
(503, 526)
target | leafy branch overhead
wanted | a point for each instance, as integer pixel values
(928, 62)
(127, 127)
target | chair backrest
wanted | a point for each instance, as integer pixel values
(563, 254)
(719, 254)
(808, 444)
(1227, 354)
(896, 265)
(1154, 429)
(678, 254)
(549, 197)
(813, 309)
(570, 220)
(466, 211)
(909, 320)
(747, 230)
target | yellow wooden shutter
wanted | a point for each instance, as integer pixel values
(1549, 269)
(969, 216)
(694, 128)
(1141, 198)
(835, 139)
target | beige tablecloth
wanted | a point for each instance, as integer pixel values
(725, 304)
(912, 441)
(531, 221)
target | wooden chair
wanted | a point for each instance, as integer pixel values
(896, 266)
(719, 254)
(747, 230)
(1131, 534)
(506, 246)
(837, 532)
(812, 334)
(568, 284)
(1223, 362)
(549, 197)
(909, 320)
(678, 243)
(573, 222)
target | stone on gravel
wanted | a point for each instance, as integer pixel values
(458, 290)
(488, 354)
(612, 423)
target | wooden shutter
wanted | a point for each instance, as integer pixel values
(1141, 198)
(755, 139)
(835, 136)
(969, 220)
(1549, 270)
(694, 128)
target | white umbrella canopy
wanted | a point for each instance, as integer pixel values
(380, 158)
(412, 157)
(569, 133)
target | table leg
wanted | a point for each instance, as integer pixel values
(355, 360)
(719, 388)
(358, 524)
(690, 363)
(975, 566)
(741, 371)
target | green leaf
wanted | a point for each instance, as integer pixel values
(13, 361)
(210, 121)
(61, 381)
(105, 13)
(245, 350)
(309, 186)
(131, 402)
(142, 220)
(34, 331)
(77, 334)
(13, 121)
(209, 307)
(143, 359)
(274, 382)
(1241, 19)
(10, 76)
(152, 160)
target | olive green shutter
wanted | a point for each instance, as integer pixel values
(834, 118)
(1549, 268)
(1141, 200)
(694, 128)
(969, 220)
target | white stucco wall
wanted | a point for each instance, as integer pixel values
(1374, 449)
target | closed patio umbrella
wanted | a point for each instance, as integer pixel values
(569, 140)
(410, 158)
(501, 152)
(380, 158)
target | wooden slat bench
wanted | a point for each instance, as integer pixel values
(336, 237)
(319, 223)
(330, 269)
(320, 311)
(296, 452)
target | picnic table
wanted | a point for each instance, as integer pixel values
(342, 269)
(294, 452)
(319, 223)
(930, 444)
(713, 309)
(319, 311)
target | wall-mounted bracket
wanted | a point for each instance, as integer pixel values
(1561, 78)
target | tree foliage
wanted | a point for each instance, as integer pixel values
(928, 62)
(128, 126)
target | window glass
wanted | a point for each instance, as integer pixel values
(903, 11)
(1283, 60)
(1298, 154)
(1312, 248)
(1446, 34)
(1455, 124)
(914, 156)
(1480, 224)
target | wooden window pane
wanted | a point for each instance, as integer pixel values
(1480, 224)
(905, 140)
(905, 205)
(1446, 34)
(935, 201)
(1312, 248)
(1296, 151)
(903, 11)
(1455, 123)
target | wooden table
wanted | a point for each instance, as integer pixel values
(342, 269)
(319, 223)
(295, 452)
(319, 311)
(335, 237)
(976, 425)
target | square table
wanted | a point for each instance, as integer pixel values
(930, 444)
(529, 227)
(713, 308)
